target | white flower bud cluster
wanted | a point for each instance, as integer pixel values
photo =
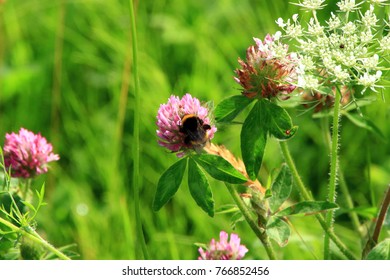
(311, 4)
(347, 50)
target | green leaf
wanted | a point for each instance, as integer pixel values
(199, 188)
(268, 193)
(219, 168)
(236, 218)
(278, 230)
(281, 188)
(363, 211)
(307, 208)
(227, 208)
(169, 183)
(29, 205)
(254, 138)
(280, 125)
(380, 251)
(230, 107)
(365, 123)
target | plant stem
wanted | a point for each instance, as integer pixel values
(252, 223)
(307, 196)
(381, 215)
(35, 237)
(57, 73)
(333, 170)
(136, 141)
(343, 185)
(290, 162)
(372, 242)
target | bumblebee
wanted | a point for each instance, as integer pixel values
(194, 130)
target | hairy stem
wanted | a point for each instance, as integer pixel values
(35, 237)
(136, 141)
(307, 196)
(333, 171)
(343, 185)
(262, 235)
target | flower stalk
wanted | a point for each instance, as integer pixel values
(307, 196)
(343, 185)
(262, 235)
(35, 237)
(333, 171)
(255, 185)
(136, 141)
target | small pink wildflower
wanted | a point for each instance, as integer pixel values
(27, 154)
(224, 250)
(265, 73)
(171, 132)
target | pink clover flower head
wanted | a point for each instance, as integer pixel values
(27, 154)
(183, 124)
(224, 249)
(269, 70)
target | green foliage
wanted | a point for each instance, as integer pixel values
(230, 107)
(200, 188)
(219, 168)
(253, 139)
(185, 46)
(380, 251)
(169, 183)
(280, 188)
(265, 118)
(307, 208)
(364, 122)
(29, 250)
(280, 124)
(278, 230)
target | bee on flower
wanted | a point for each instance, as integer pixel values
(184, 125)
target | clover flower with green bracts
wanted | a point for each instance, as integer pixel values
(27, 154)
(268, 71)
(184, 124)
(224, 249)
(347, 50)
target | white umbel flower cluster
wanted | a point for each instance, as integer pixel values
(346, 50)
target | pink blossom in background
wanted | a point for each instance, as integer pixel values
(169, 122)
(224, 249)
(27, 154)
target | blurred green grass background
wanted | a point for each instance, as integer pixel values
(65, 69)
